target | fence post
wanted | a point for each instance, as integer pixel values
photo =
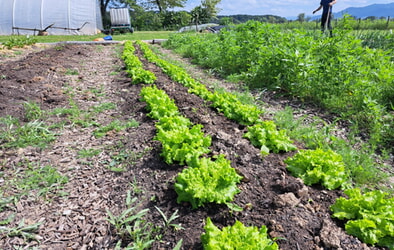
(388, 21)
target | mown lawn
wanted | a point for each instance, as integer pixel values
(138, 35)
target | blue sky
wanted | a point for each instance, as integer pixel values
(284, 8)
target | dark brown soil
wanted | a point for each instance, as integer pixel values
(297, 216)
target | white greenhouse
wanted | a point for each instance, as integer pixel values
(52, 17)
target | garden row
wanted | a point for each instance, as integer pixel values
(205, 179)
(338, 73)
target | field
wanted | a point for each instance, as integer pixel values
(79, 145)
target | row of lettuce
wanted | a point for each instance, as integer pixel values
(369, 216)
(205, 180)
(337, 73)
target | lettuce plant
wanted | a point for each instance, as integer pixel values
(180, 142)
(370, 216)
(158, 103)
(237, 237)
(318, 166)
(265, 136)
(207, 180)
(134, 66)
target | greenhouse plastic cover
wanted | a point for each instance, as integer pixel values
(67, 17)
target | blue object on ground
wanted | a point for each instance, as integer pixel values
(108, 38)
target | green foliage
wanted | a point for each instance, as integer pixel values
(130, 225)
(361, 167)
(318, 166)
(181, 142)
(42, 179)
(19, 42)
(134, 66)
(369, 216)
(158, 103)
(32, 111)
(15, 134)
(237, 237)
(27, 232)
(225, 102)
(207, 180)
(338, 73)
(266, 136)
(116, 126)
(232, 108)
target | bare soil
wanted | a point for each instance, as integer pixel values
(297, 216)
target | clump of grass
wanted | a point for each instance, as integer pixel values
(116, 126)
(14, 134)
(29, 178)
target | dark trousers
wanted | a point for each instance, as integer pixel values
(324, 20)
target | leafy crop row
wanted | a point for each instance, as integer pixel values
(336, 73)
(226, 102)
(204, 180)
(134, 66)
(263, 134)
(319, 166)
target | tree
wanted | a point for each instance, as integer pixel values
(204, 12)
(301, 17)
(164, 5)
(210, 6)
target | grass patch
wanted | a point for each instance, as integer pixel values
(115, 126)
(15, 134)
(138, 35)
(30, 178)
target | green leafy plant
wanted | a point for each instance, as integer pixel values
(180, 142)
(32, 111)
(168, 222)
(369, 216)
(27, 232)
(19, 42)
(15, 134)
(232, 108)
(130, 225)
(266, 136)
(207, 180)
(237, 236)
(87, 153)
(135, 67)
(158, 103)
(318, 166)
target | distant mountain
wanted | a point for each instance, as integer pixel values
(376, 10)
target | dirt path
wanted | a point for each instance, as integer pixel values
(75, 217)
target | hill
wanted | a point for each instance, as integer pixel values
(373, 10)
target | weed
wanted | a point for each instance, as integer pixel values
(19, 42)
(34, 133)
(103, 106)
(116, 126)
(167, 222)
(22, 230)
(130, 225)
(43, 179)
(32, 111)
(72, 72)
(87, 153)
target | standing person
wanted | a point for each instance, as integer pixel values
(326, 15)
